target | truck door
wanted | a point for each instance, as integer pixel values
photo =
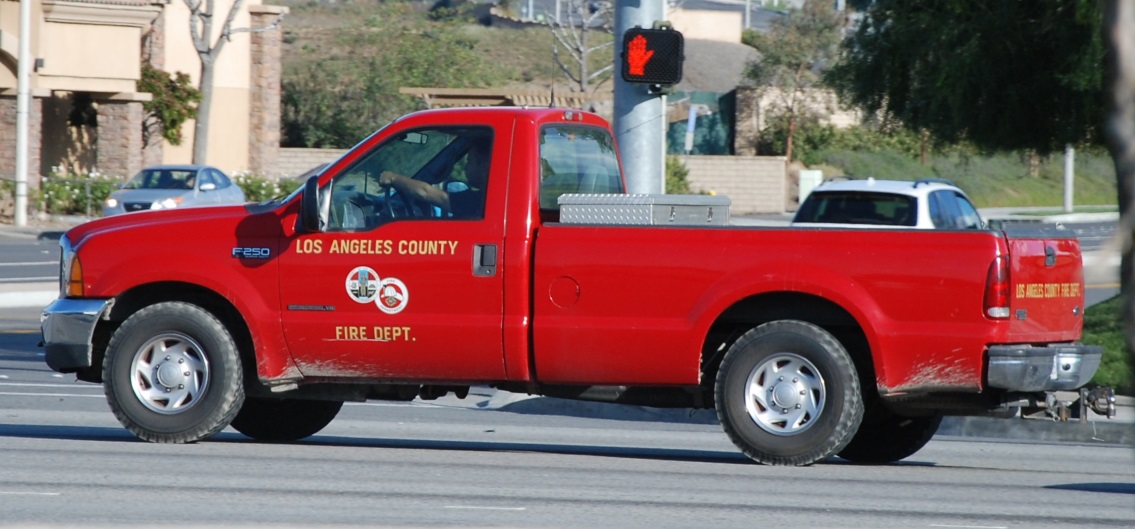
(402, 284)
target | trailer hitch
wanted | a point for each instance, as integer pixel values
(1100, 400)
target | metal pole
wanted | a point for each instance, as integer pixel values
(1069, 176)
(23, 92)
(638, 115)
(748, 8)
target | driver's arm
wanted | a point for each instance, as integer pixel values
(415, 189)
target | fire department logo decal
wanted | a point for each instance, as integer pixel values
(389, 294)
(392, 296)
(363, 284)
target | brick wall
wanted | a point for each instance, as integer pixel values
(755, 184)
(293, 162)
(8, 139)
(119, 138)
(264, 123)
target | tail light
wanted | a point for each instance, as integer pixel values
(997, 289)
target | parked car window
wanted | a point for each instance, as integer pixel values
(858, 208)
(221, 179)
(971, 219)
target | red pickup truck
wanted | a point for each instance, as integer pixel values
(412, 268)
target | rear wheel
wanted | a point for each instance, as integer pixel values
(885, 437)
(787, 393)
(284, 419)
(172, 374)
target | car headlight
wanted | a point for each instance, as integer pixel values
(168, 203)
(111, 202)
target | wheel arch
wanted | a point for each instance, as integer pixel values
(142, 296)
(758, 309)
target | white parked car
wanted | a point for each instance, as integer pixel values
(173, 186)
(925, 204)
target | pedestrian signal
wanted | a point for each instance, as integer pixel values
(652, 56)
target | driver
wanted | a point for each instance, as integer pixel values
(467, 203)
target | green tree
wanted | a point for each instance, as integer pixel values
(793, 55)
(174, 101)
(336, 102)
(1005, 75)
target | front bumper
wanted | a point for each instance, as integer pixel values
(68, 326)
(1046, 368)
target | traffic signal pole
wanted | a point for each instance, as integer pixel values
(639, 116)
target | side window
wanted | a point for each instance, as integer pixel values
(938, 214)
(437, 173)
(576, 159)
(219, 179)
(970, 218)
(949, 215)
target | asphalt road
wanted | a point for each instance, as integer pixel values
(67, 462)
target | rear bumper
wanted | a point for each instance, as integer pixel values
(1047, 368)
(68, 326)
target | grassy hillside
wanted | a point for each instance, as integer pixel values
(1001, 180)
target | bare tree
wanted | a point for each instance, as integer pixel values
(201, 19)
(572, 34)
(1119, 33)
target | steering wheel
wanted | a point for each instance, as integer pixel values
(409, 205)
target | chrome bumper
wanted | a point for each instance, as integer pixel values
(1049, 368)
(68, 326)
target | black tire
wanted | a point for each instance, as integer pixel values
(885, 437)
(172, 374)
(787, 393)
(284, 419)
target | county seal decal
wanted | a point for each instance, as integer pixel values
(389, 294)
(362, 284)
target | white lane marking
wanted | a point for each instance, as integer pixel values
(969, 526)
(30, 263)
(13, 394)
(38, 299)
(485, 508)
(41, 385)
(27, 493)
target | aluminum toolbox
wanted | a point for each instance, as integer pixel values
(659, 210)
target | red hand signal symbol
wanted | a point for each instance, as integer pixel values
(638, 55)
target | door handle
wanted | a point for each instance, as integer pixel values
(485, 260)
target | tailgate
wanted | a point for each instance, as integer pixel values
(1047, 274)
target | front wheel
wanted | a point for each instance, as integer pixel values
(787, 393)
(277, 420)
(172, 374)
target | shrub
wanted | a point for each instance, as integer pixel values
(64, 194)
(676, 173)
(258, 189)
(1103, 326)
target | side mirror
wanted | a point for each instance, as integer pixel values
(310, 219)
(208, 187)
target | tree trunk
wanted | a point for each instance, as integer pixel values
(201, 128)
(1119, 33)
(788, 140)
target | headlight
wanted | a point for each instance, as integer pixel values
(168, 203)
(111, 202)
(70, 270)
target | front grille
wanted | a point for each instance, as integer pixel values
(136, 206)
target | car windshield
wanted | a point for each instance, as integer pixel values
(836, 207)
(162, 179)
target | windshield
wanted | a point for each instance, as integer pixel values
(162, 179)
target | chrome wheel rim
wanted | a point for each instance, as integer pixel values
(785, 394)
(170, 373)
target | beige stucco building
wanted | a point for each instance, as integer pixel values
(86, 113)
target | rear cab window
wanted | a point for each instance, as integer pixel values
(576, 159)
